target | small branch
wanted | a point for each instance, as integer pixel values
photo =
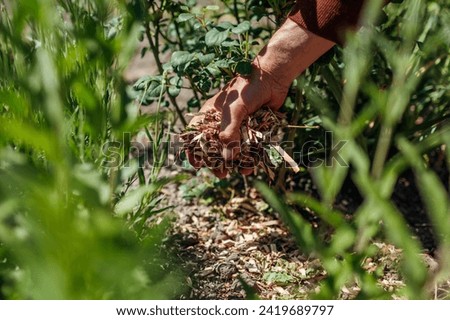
(167, 39)
(177, 30)
(303, 127)
(236, 11)
(194, 88)
(287, 158)
(291, 135)
(154, 47)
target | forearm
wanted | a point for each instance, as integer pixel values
(290, 51)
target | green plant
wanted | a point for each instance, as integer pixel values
(73, 222)
(396, 88)
(208, 46)
(75, 205)
(393, 109)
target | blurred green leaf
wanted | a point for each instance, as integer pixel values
(432, 192)
(241, 28)
(206, 59)
(212, 7)
(185, 17)
(214, 37)
(300, 228)
(180, 58)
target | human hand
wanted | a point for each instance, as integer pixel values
(288, 53)
(241, 97)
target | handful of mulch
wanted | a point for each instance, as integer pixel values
(260, 134)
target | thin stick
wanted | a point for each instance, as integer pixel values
(303, 127)
(287, 158)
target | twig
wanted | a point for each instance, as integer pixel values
(154, 46)
(180, 43)
(236, 11)
(287, 158)
(303, 127)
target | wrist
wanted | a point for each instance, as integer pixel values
(289, 52)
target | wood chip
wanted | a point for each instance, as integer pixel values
(252, 267)
(258, 132)
(287, 158)
(271, 223)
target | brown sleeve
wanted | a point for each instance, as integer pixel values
(327, 18)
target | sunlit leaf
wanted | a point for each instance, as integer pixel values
(185, 17)
(241, 28)
(214, 37)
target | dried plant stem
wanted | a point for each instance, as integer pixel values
(302, 127)
(281, 182)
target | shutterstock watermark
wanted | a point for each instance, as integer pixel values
(310, 154)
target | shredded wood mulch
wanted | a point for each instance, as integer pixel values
(221, 245)
(259, 133)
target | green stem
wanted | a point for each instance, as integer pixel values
(382, 150)
(333, 84)
(177, 30)
(236, 11)
(180, 44)
(156, 142)
(154, 47)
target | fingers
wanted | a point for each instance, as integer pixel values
(277, 100)
(276, 104)
(246, 171)
(235, 101)
(198, 163)
(221, 174)
(230, 138)
(230, 135)
(193, 160)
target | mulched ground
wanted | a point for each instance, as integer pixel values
(221, 241)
